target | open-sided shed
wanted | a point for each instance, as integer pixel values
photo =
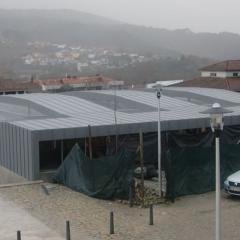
(35, 128)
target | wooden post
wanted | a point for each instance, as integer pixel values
(61, 151)
(116, 142)
(85, 146)
(90, 141)
(131, 195)
(111, 223)
(141, 161)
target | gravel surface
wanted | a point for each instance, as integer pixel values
(190, 217)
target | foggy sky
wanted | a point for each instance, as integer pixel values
(198, 15)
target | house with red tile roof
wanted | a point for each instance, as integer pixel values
(97, 82)
(221, 75)
(9, 86)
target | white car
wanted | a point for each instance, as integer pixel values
(232, 184)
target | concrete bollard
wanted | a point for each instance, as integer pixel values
(18, 235)
(68, 233)
(151, 215)
(111, 223)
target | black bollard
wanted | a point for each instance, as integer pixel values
(151, 215)
(68, 234)
(18, 235)
(111, 223)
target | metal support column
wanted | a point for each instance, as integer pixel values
(218, 189)
(159, 145)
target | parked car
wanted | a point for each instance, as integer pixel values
(232, 184)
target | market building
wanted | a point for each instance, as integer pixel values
(38, 130)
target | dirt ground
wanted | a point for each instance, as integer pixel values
(190, 217)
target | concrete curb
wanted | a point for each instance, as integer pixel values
(20, 184)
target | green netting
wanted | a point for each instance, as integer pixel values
(105, 178)
(191, 170)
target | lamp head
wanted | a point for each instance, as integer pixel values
(159, 90)
(216, 113)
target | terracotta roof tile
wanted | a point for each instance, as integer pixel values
(228, 66)
(13, 85)
(74, 80)
(232, 84)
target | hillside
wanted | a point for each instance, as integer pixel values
(73, 27)
(30, 45)
(185, 67)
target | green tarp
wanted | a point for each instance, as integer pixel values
(191, 170)
(105, 178)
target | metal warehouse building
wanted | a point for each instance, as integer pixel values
(31, 123)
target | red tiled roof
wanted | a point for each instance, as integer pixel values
(232, 84)
(226, 66)
(11, 85)
(74, 80)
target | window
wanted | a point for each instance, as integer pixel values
(235, 74)
(213, 74)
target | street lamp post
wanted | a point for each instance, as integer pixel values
(159, 94)
(216, 113)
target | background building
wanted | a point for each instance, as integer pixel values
(222, 75)
(78, 83)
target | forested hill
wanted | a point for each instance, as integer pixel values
(73, 27)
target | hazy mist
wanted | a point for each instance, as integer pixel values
(198, 15)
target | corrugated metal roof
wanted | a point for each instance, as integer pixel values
(74, 111)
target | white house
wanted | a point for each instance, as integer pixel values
(230, 68)
(221, 75)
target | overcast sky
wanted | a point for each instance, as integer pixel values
(198, 15)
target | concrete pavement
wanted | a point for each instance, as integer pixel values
(13, 218)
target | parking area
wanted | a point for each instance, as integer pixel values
(190, 217)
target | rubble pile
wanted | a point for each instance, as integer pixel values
(147, 197)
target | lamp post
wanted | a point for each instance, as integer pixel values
(216, 113)
(159, 94)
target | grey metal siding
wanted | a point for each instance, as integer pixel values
(25, 149)
(2, 158)
(9, 154)
(4, 140)
(22, 158)
(30, 156)
(16, 150)
(35, 156)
